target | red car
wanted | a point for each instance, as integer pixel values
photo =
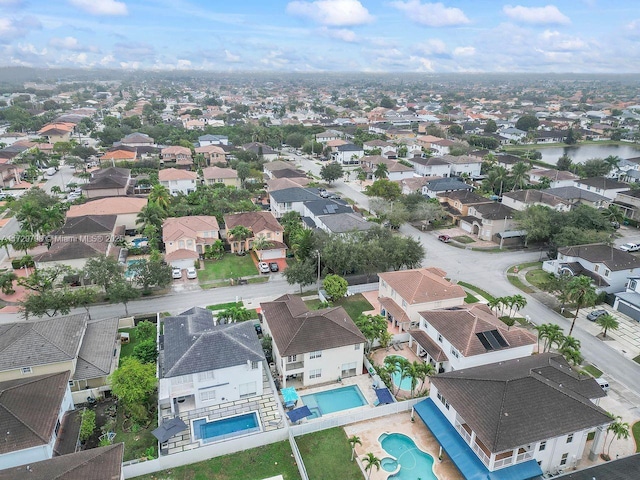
(444, 238)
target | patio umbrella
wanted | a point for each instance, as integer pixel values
(168, 429)
(299, 413)
(289, 395)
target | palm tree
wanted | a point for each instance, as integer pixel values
(542, 332)
(151, 214)
(392, 365)
(4, 243)
(619, 429)
(570, 350)
(403, 363)
(613, 213)
(370, 461)
(238, 235)
(381, 171)
(497, 176)
(412, 371)
(428, 370)
(552, 334)
(234, 315)
(607, 322)
(582, 293)
(493, 304)
(516, 303)
(160, 195)
(262, 243)
(353, 441)
(519, 175)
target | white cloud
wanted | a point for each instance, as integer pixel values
(553, 40)
(633, 27)
(343, 34)
(536, 15)
(425, 64)
(10, 3)
(183, 64)
(432, 14)
(336, 13)
(130, 65)
(101, 7)
(12, 28)
(230, 57)
(107, 60)
(433, 46)
(71, 43)
(464, 51)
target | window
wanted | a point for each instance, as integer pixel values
(254, 365)
(606, 272)
(596, 268)
(204, 376)
(404, 304)
(26, 370)
(563, 460)
(570, 438)
(317, 373)
(443, 401)
(317, 354)
(384, 284)
(455, 353)
(357, 346)
(180, 380)
(292, 358)
(440, 339)
(247, 389)
(71, 382)
(633, 284)
(543, 445)
(207, 395)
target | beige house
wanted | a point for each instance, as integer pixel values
(406, 293)
(262, 225)
(213, 154)
(185, 238)
(491, 222)
(109, 182)
(176, 154)
(218, 175)
(125, 209)
(57, 132)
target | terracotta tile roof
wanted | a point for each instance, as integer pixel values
(168, 174)
(108, 205)
(118, 154)
(422, 285)
(212, 173)
(256, 221)
(432, 348)
(176, 150)
(175, 228)
(182, 254)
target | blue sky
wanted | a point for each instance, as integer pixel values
(589, 36)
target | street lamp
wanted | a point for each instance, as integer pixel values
(318, 284)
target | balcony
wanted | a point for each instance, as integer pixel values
(294, 366)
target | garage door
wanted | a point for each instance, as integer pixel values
(182, 263)
(630, 311)
(272, 254)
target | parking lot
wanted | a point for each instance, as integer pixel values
(626, 339)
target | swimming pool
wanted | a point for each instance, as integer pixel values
(405, 384)
(330, 401)
(140, 242)
(129, 273)
(409, 462)
(211, 431)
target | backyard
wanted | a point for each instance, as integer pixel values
(354, 305)
(229, 266)
(257, 463)
(327, 454)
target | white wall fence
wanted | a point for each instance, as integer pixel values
(365, 287)
(299, 462)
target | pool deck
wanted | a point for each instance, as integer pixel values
(370, 430)
(379, 355)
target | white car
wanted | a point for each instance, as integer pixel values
(176, 273)
(629, 247)
(192, 273)
(263, 267)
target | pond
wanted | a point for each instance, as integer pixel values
(582, 153)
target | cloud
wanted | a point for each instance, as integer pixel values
(633, 27)
(432, 14)
(101, 7)
(71, 43)
(555, 41)
(231, 58)
(10, 3)
(343, 34)
(536, 15)
(432, 47)
(19, 27)
(134, 51)
(464, 51)
(335, 13)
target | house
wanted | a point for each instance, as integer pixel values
(317, 346)
(430, 166)
(385, 148)
(604, 186)
(608, 267)
(414, 184)
(185, 238)
(9, 175)
(328, 135)
(513, 134)
(126, 209)
(322, 207)
(438, 186)
(629, 202)
(442, 146)
(463, 165)
(395, 169)
(178, 181)
(291, 200)
(202, 363)
(575, 196)
(137, 139)
(32, 411)
(57, 132)
(522, 199)
(515, 419)
(206, 140)
(262, 225)
(491, 222)
(553, 136)
(557, 178)
(406, 293)
(120, 153)
(280, 169)
(109, 182)
(282, 183)
(456, 203)
(179, 155)
(625, 468)
(343, 223)
(213, 154)
(263, 151)
(468, 337)
(628, 302)
(101, 463)
(217, 175)
(81, 238)
(348, 154)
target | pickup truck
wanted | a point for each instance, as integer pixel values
(629, 247)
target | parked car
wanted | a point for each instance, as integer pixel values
(263, 267)
(176, 272)
(593, 316)
(324, 194)
(192, 273)
(444, 238)
(629, 247)
(273, 266)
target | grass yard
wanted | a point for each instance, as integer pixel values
(354, 305)
(139, 439)
(224, 306)
(229, 266)
(463, 239)
(126, 349)
(327, 454)
(522, 266)
(487, 296)
(635, 429)
(470, 299)
(537, 277)
(313, 304)
(591, 370)
(516, 282)
(255, 464)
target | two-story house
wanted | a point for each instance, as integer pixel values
(489, 220)
(137, 139)
(608, 267)
(348, 154)
(221, 176)
(126, 209)
(179, 155)
(262, 225)
(468, 337)
(314, 347)
(557, 178)
(395, 170)
(291, 199)
(628, 302)
(463, 165)
(213, 154)
(602, 185)
(109, 182)
(430, 166)
(178, 181)
(263, 151)
(280, 169)
(206, 140)
(438, 186)
(119, 153)
(515, 419)
(629, 202)
(202, 363)
(185, 238)
(406, 293)
(457, 202)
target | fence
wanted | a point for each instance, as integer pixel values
(365, 287)
(296, 453)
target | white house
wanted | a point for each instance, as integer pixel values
(515, 419)
(347, 154)
(312, 347)
(464, 164)
(602, 186)
(206, 140)
(178, 181)
(202, 363)
(628, 302)
(557, 178)
(468, 337)
(430, 166)
(608, 267)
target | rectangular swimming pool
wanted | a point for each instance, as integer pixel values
(336, 400)
(215, 430)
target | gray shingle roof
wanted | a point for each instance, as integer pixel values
(345, 222)
(602, 182)
(327, 207)
(54, 340)
(96, 355)
(294, 194)
(193, 343)
(575, 193)
(87, 224)
(494, 211)
(626, 468)
(600, 253)
(444, 184)
(523, 401)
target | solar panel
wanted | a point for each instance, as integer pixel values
(492, 340)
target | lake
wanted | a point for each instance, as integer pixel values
(582, 153)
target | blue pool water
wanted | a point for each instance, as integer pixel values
(323, 403)
(225, 427)
(140, 242)
(414, 463)
(405, 384)
(128, 273)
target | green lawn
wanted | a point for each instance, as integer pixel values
(590, 369)
(470, 299)
(229, 266)
(126, 349)
(327, 454)
(354, 305)
(637, 359)
(537, 277)
(635, 429)
(463, 239)
(522, 266)
(255, 464)
(224, 306)
(136, 442)
(516, 282)
(479, 291)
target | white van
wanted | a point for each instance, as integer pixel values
(604, 384)
(51, 171)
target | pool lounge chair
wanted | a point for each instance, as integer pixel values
(395, 347)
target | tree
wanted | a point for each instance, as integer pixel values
(372, 327)
(456, 129)
(582, 294)
(496, 179)
(490, 126)
(613, 213)
(160, 196)
(370, 461)
(6, 282)
(381, 171)
(353, 441)
(45, 279)
(84, 297)
(331, 172)
(519, 175)
(48, 302)
(133, 383)
(38, 212)
(261, 243)
(335, 286)
(146, 351)
(239, 235)
(607, 322)
(302, 272)
(564, 163)
(121, 291)
(552, 335)
(152, 272)
(243, 169)
(539, 221)
(4, 243)
(570, 350)
(595, 167)
(88, 424)
(620, 430)
(384, 188)
(215, 250)
(234, 315)
(104, 271)
(146, 330)
(527, 122)
(24, 240)
(151, 214)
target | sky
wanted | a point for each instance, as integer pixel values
(581, 36)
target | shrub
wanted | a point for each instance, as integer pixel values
(88, 424)
(146, 351)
